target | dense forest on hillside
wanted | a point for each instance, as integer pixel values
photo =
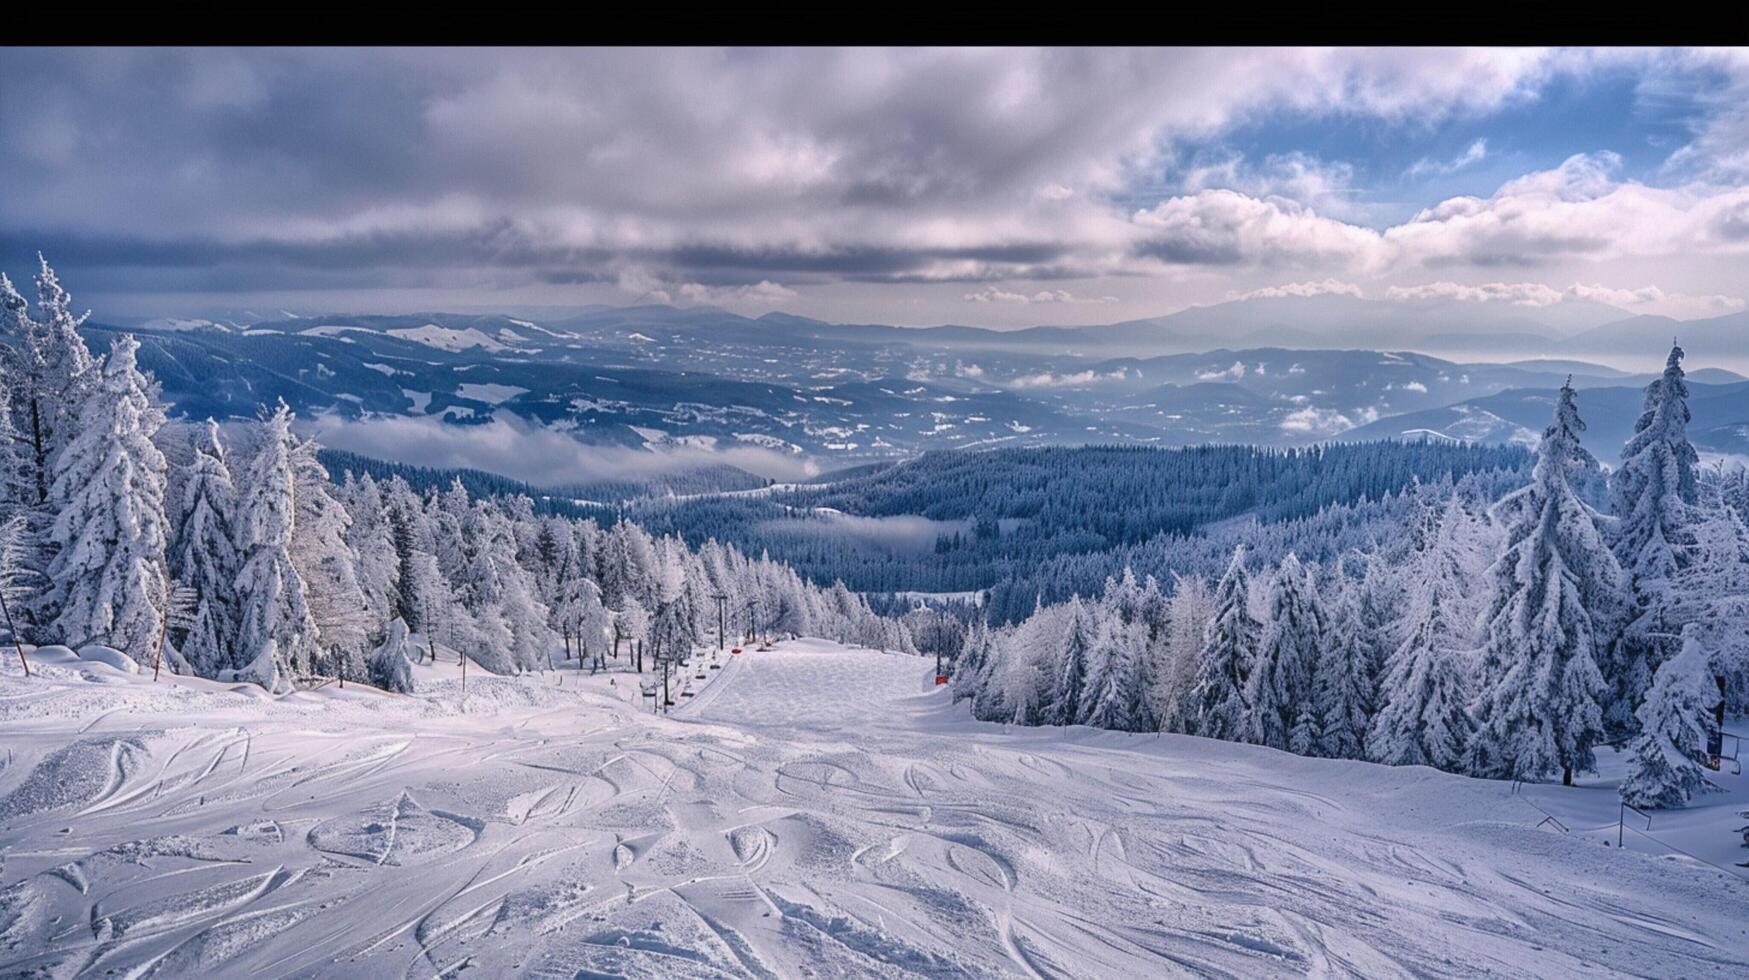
(1142, 492)
(1049, 522)
(590, 498)
(1489, 625)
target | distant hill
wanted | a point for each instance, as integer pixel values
(1720, 337)
(1720, 418)
(714, 386)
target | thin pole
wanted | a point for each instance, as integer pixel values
(163, 630)
(158, 657)
(722, 618)
(16, 644)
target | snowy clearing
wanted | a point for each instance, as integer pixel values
(813, 810)
(489, 392)
(447, 338)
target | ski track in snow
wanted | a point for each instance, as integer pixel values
(813, 811)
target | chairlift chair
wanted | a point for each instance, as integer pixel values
(1718, 759)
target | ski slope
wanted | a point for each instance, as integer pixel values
(809, 811)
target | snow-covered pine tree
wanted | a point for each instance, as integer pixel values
(406, 520)
(371, 536)
(552, 563)
(628, 565)
(108, 571)
(671, 628)
(1229, 652)
(1283, 711)
(1381, 606)
(203, 553)
(17, 489)
(391, 665)
(1667, 760)
(1458, 559)
(1552, 593)
(1173, 666)
(425, 590)
(1063, 706)
(1114, 701)
(50, 371)
(500, 593)
(1653, 496)
(1101, 645)
(631, 623)
(1713, 592)
(786, 605)
(1028, 665)
(1423, 719)
(20, 548)
(328, 566)
(1734, 490)
(586, 619)
(55, 371)
(273, 615)
(968, 675)
(1345, 690)
(446, 513)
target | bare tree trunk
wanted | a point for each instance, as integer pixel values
(38, 453)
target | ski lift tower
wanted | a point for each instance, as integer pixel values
(722, 618)
(666, 659)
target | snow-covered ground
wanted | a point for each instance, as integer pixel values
(811, 811)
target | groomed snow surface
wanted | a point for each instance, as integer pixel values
(811, 811)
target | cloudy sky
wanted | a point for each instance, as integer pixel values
(993, 187)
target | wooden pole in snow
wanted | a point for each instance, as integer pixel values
(163, 623)
(158, 657)
(16, 643)
(163, 629)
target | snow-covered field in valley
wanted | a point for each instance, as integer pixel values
(812, 811)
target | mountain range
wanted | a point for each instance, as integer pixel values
(705, 380)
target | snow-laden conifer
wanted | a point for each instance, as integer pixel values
(273, 613)
(1653, 495)
(1667, 760)
(203, 552)
(1346, 691)
(108, 572)
(1552, 594)
(391, 665)
(1229, 651)
(1282, 709)
(1423, 719)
